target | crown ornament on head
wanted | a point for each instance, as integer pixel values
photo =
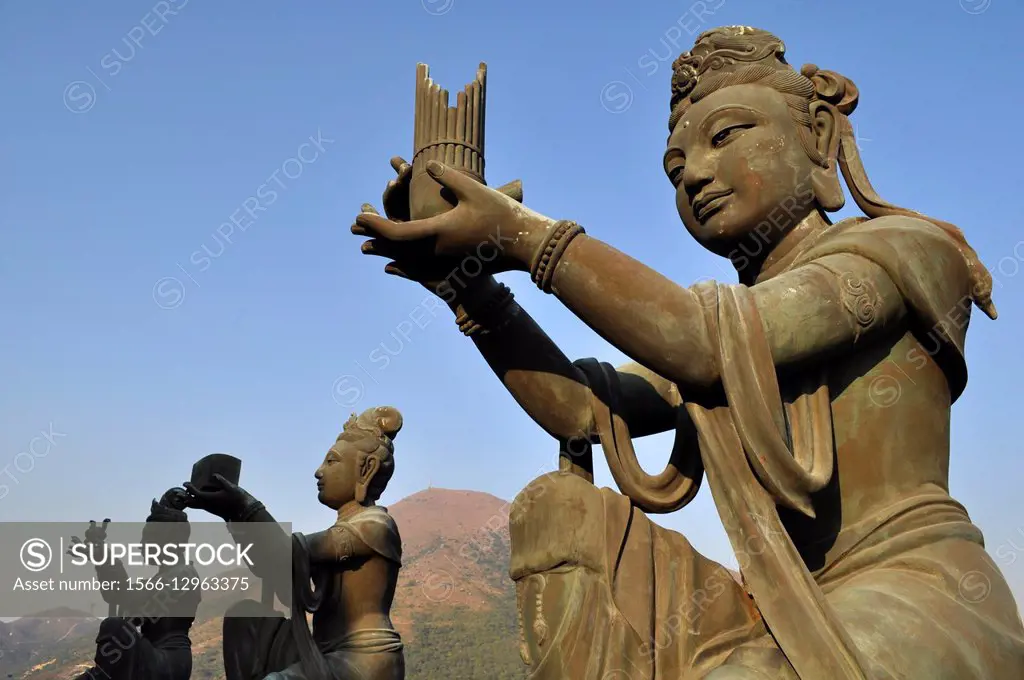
(734, 55)
(719, 50)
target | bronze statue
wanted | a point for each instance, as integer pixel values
(135, 642)
(354, 565)
(835, 499)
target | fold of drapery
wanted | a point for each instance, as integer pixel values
(759, 453)
(784, 590)
(665, 492)
(752, 467)
(637, 601)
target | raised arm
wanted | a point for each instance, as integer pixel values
(807, 313)
(270, 551)
(658, 323)
(546, 384)
(267, 545)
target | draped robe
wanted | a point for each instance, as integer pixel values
(603, 591)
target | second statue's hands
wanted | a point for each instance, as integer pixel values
(223, 499)
(485, 224)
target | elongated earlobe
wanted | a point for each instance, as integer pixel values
(826, 130)
(368, 465)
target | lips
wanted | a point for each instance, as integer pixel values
(709, 202)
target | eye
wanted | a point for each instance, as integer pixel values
(723, 135)
(674, 169)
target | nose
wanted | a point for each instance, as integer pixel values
(697, 174)
(319, 474)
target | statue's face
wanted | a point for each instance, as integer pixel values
(740, 171)
(338, 476)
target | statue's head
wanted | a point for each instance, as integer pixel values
(360, 464)
(756, 146)
(167, 522)
(753, 142)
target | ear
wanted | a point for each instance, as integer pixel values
(825, 181)
(367, 466)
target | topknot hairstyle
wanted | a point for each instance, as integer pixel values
(373, 431)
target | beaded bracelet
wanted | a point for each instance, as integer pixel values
(489, 315)
(546, 259)
(251, 510)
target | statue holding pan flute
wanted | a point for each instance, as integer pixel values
(789, 390)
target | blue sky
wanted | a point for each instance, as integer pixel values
(123, 159)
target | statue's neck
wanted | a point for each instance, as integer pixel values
(779, 255)
(351, 509)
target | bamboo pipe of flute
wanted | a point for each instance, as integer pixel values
(460, 130)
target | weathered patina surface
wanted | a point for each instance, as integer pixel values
(344, 576)
(814, 395)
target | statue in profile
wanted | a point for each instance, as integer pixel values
(136, 641)
(344, 576)
(791, 391)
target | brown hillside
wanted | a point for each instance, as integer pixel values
(455, 548)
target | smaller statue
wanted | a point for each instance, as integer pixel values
(132, 643)
(345, 576)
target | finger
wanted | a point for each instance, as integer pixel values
(369, 209)
(395, 269)
(404, 174)
(397, 190)
(415, 271)
(375, 225)
(399, 164)
(224, 482)
(92, 524)
(461, 185)
(106, 522)
(392, 250)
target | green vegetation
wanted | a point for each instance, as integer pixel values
(466, 644)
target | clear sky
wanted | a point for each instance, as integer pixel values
(128, 139)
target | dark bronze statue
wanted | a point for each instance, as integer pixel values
(353, 567)
(780, 389)
(136, 642)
